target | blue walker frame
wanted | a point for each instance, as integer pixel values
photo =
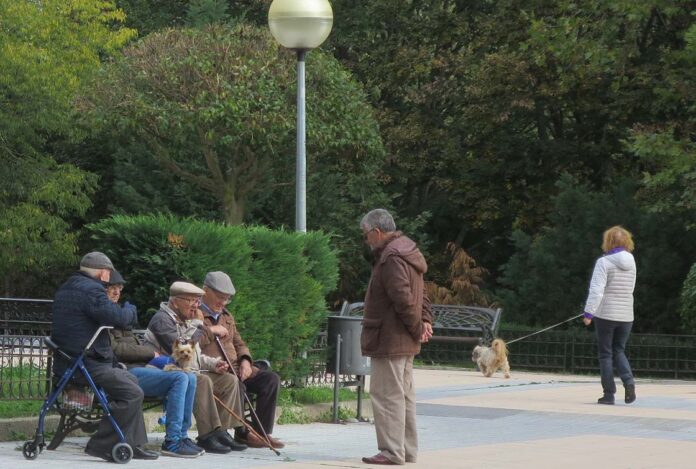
(121, 451)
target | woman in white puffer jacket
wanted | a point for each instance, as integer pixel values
(610, 304)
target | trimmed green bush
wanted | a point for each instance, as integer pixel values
(281, 277)
(687, 306)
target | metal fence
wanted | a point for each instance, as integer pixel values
(22, 316)
(575, 351)
(25, 362)
(24, 368)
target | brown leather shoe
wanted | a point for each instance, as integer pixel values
(379, 459)
(276, 443)
(252, 441)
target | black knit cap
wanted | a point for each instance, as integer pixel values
(115, 278)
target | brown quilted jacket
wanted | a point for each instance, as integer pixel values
(233, 343)
(396, 305)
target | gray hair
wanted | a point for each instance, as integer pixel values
(94, 273)
(380, 219)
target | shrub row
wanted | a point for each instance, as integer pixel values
(281, 277)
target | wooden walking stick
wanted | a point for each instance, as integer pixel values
(246, 398)
(246, 425)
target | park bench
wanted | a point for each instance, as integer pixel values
(456, 324)
(26, 363)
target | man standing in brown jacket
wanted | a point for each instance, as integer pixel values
(397, 319)
(218, 322)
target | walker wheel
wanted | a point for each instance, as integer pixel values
(122, 453)
(29, 450)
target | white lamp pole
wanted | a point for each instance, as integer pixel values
(300, 25)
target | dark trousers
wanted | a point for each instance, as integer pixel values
(611, 344)
(264, 385)
(126, 403)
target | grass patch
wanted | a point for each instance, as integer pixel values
(314, 395)
(291, 415)
(344, 413)
(291, 401)
(24, 380)
(12, 409)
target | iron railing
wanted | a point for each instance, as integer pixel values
(575, 351)
(25, 362)
(25, 365)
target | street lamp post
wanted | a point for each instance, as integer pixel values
(300, 25)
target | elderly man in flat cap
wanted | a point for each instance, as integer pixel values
(80, 307)
(176, 319)
(178, 387)
(218, 321)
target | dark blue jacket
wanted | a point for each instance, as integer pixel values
(80, 307)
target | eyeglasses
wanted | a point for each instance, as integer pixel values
(367, 233)
(191, 301)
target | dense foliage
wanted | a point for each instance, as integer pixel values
(688, 301)
(547, 278)
(281, 278)
(47, 51)
(202, 115)
(517, 130)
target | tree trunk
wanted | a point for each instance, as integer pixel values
(233, 208)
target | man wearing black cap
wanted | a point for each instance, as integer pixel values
(218, 321)
(80, 307)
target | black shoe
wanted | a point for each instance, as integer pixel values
(630, 395)
(240, 434)
(106, 456)
(606, 399)
(211, 445)
(226, 439)
(141, 453)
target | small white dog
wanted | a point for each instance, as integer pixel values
(490, 359)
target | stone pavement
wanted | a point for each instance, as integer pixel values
(468, 421)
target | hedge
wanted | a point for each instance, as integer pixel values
(281, 277)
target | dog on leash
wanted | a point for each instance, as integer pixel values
(491, 359)
(183, 354)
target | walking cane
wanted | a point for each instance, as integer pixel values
(246, 425)
(246, 398)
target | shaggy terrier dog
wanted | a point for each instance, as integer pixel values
(491, 359)
(182, 353)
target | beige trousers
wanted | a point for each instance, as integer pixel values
(393, 398)
(211, 416)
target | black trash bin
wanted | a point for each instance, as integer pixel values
(351, 361)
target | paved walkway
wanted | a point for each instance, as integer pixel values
(468, 421)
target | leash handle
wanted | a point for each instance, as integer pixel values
(545, 329)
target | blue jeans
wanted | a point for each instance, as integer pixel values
(611, 344)
(179, 388)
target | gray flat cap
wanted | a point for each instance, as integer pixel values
(184, 288)
(96, 260)
(220, 282)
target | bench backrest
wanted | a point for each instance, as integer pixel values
(452, 323)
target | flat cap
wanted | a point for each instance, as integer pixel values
(184, 288)
(96, 260)
(116, 278)
(220, 282)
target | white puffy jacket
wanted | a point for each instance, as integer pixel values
(611, 287)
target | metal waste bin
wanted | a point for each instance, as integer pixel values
(350, 359)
